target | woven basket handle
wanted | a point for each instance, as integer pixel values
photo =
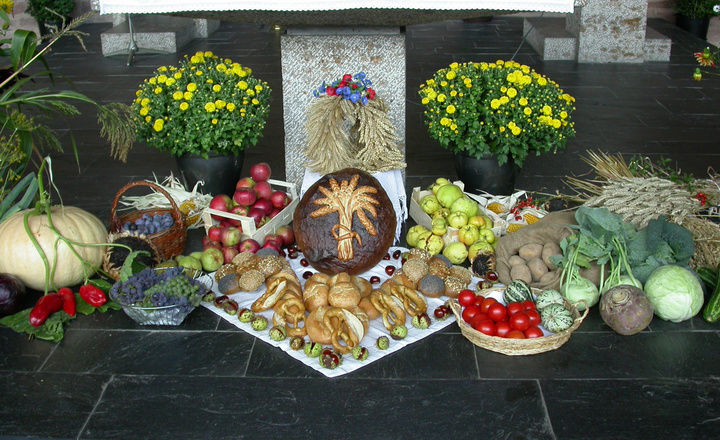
(115, 220)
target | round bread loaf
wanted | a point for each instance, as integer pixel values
(344, 222)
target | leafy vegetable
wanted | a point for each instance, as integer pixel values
(675, 293)
(659, 244)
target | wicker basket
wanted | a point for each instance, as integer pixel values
(517, 347)
(171, 241)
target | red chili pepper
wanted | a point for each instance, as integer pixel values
(44, 307)
(68, 298)
(92, 295)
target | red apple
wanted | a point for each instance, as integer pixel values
(225, 223)
(231, 236)
(274, 239)
(214, 232)
(249, 245)
(286, 234)
(263, 190)
(229, 253)
(279, 199)
(211, 244)
(274, 213)
(238, 210)
(265, 205)
(271, 245)
(220, 202)
(260, 172)
(245, 196)
(263, 221)
(256, 214)
(245, 182)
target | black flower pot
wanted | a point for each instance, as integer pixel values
(485, 174)
(218, 172)
(696, 26)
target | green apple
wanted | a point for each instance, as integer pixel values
(477, 247)
(457, 220)
(196, 255)
(466, 205)
(441, 213)
(456, 252)
(439, 226)
(211, 259)
(191, 263)
(468, 234)
(429, 204)
(433, 244)
(413, 234)
(488, 235)
(477, 220)
(447, 194)
(440, 181)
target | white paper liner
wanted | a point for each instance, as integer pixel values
(377, 329)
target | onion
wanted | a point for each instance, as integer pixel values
(626, 309)
(12, 291)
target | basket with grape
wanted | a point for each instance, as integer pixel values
(155, 297)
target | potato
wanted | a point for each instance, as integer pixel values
(548, 277)
(530, 251)
(521, 272)
(514, 260)
(550, 249)
(537, 268)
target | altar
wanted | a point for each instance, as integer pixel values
(326, 40)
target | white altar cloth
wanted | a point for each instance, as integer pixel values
(171, 6)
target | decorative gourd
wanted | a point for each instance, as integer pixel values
(19, 257)
(547, 297)
(556, 318)
(517, 291)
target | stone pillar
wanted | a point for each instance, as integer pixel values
(313, 55)
(610, 31)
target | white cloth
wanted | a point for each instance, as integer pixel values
(393, 184)
(168, 6)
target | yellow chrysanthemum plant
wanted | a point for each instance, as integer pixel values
(505, 109)
(204, 104)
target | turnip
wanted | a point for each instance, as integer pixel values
(626, 309)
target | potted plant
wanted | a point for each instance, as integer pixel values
(694, 15)
(50, 12)
(491, 116)
(204, 111)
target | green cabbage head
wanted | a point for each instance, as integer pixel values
(674, 292)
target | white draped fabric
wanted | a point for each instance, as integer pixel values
(171, 6)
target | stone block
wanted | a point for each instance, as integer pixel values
(657, 46)
(550, 38)
(154, 33)
(310, 56)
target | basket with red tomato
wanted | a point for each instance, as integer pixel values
(516, 319)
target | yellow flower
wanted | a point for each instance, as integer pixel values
(542, 81)
(547, 110)
(450, 75)
(152, 81)
(443, 83)
(158, 125)
(178, 75)
(523, 101)
(220, 104)
(453, 127)
(250, 92)
(198, 73)
(453, 93)
(208, 54)
(191, 87)
(242, 85)
(210, 107)
(148, 118)
(527, 111)
(230, 107)
(161, 79)
(258, 88)
(450, 109)
(563, 114)
(184, 106)
(512, 92)
(516, 130)
(144, 111)
(495, 104)
(158, 90)
(501, 129)
(222, 68)
(504, 99)
(214, 121)
(145, 102)
(425, 100)
(170, 81)
(255, 101)
(216, 88)
(7, 6)
(177, 96)
(445, 122)
(188, 96)
(432, 94)
(441, 97)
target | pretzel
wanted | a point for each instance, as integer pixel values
(276, 288)
(389, 307)
(344, 327)
(290, 312)
(413, 303)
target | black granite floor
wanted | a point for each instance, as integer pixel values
(112, 379)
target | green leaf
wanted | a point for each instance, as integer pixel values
(51, 330)
(131, 266)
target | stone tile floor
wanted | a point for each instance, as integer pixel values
(112, 379)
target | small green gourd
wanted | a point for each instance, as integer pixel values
(547, 297)
(556, 318)
(517, 291)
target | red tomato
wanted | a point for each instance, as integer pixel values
(503, 328)
(478, 317)
(519, 321)
(470, 311)
(486, 326)
(528, 305)
(534, 317)
(466, 297)
(479, 299)
(515, 334)
(513, 308)
(487, 302)
(497, 312)
(533, 332)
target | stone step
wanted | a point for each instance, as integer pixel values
(155, 33)
(657, 46)
(549, 37)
